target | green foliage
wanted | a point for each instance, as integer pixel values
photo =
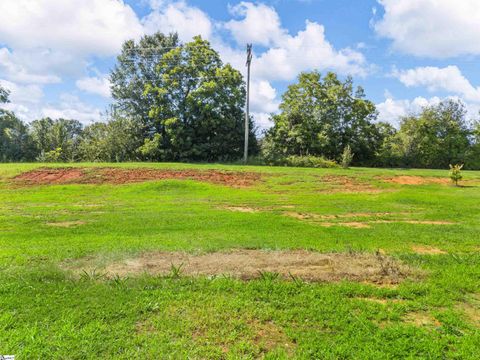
(347, 157)
(15, 141)
(4, 93)
(135, 68)
(320, 116)
(197, 107)
(189, 104)
(117, 140)
(51, 156)
(306, 161)
(435, 138)
(456, 173)
(49, 135)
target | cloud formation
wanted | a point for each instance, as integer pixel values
(448, 79)
(431, 28)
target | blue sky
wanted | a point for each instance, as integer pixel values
(55, 55)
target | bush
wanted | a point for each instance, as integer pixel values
(53, 156)
(306, 161)
(456, 173)
(347, 157)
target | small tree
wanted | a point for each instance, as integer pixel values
(347, 157)
(53, 156)
(456, 173)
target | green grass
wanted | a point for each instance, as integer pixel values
(48, 313)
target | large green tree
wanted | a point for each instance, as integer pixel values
(438, 136)
(321, 116)
(197, 107)
(136, 67)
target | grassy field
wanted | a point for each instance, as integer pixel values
(49, 310)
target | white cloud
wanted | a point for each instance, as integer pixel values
(392, 110)
(260, 24)
(75, 26)
(71, 107)
(12, 68)
(95, 85)
(449, 79)
(308, 50)
(178, 17)
(288, 54)
(24, 94)
(262, 121)
(263, 97)
(433, 28)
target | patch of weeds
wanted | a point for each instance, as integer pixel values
(176, 271)
(269, 276)
(92, 275)
(118, 281)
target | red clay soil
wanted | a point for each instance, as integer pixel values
(47, 176)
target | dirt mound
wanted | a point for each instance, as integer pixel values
(249, 264)
(47, 176)
(52, 176)
(416, 180)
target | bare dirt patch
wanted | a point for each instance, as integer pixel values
(347, 184)
(270, 336)
(421, 319)
(427, 250)
(66, 224)
(367, 219)
(354, 224)
(251, 264)
(418, 222)
(50, 176)
(416, 180)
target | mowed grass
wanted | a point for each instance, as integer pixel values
(47, 311)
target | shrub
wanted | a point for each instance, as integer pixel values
(347, 157)
(307, 161)
(456, 173)
(52, 156)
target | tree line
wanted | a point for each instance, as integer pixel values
(180, 102)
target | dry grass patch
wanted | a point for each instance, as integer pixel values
(381, 301)
(66, 224)
(364, 224)
(347, 184)
(243, 209)
(416, 180)
(427, 250)
(269, 336)
(251, 264)
(353, 224)
(421, 319)
(471, 309)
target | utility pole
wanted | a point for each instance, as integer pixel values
(247, 109)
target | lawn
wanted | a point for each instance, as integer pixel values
(59, 241)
